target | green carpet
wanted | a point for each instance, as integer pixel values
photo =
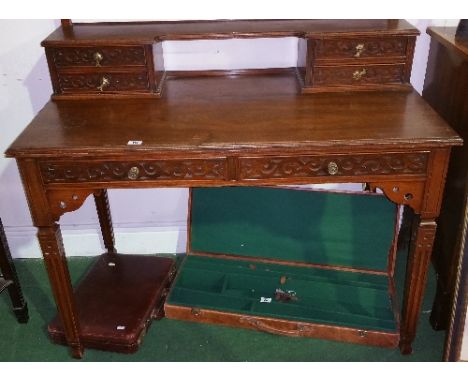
(170, 340)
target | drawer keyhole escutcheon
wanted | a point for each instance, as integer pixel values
(358, 74)
(332, 168)
(133, 173)
(98, 57)
(359, 50)
(104, 83)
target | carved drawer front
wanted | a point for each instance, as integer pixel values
(342, 48)
(171, 169)
(358, 74)
(99, 56)
(332, 165)
(103, 82)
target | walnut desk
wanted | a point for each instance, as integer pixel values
(251, 128)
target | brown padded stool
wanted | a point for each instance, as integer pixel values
(9, 280)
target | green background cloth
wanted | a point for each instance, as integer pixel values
(293, 225)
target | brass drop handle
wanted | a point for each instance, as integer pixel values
(358, 74)
(359, 50)
(98, 57)
(133, 173)
(104, 83)
(332, 168)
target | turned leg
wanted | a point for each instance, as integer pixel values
(418, 263)
(47, 206)
(8, 270)
(50, 239)
(105, 220)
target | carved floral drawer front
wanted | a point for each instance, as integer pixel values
(358, 75)
(76, 172)
(343, 48)
(333, 165)
(104, 82)
(99, 56)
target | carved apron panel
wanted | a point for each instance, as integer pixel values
(310, 166)
(197, 169)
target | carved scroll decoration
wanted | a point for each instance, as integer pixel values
(327, 75)
(133, 55)
(307, 166)
(61, 201)
(197, 169)
(116, 81)
(346, 48)
(410, 193)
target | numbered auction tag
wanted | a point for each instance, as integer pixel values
(134, 143)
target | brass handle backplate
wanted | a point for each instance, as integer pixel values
(98, 57)
(332, 168)
(358, 74)
(359, 50)
(133, 173)
(104, 83)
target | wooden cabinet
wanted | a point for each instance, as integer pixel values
(445, 89)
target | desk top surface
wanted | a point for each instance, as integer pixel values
(234, 113)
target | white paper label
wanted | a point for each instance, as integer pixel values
(120, 327)
(265, 299)
(134, 143)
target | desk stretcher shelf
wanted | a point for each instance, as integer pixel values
(117, 299)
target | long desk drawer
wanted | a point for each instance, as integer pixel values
(143, 170)
(331, 165)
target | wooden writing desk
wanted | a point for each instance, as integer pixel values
(230, 129)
